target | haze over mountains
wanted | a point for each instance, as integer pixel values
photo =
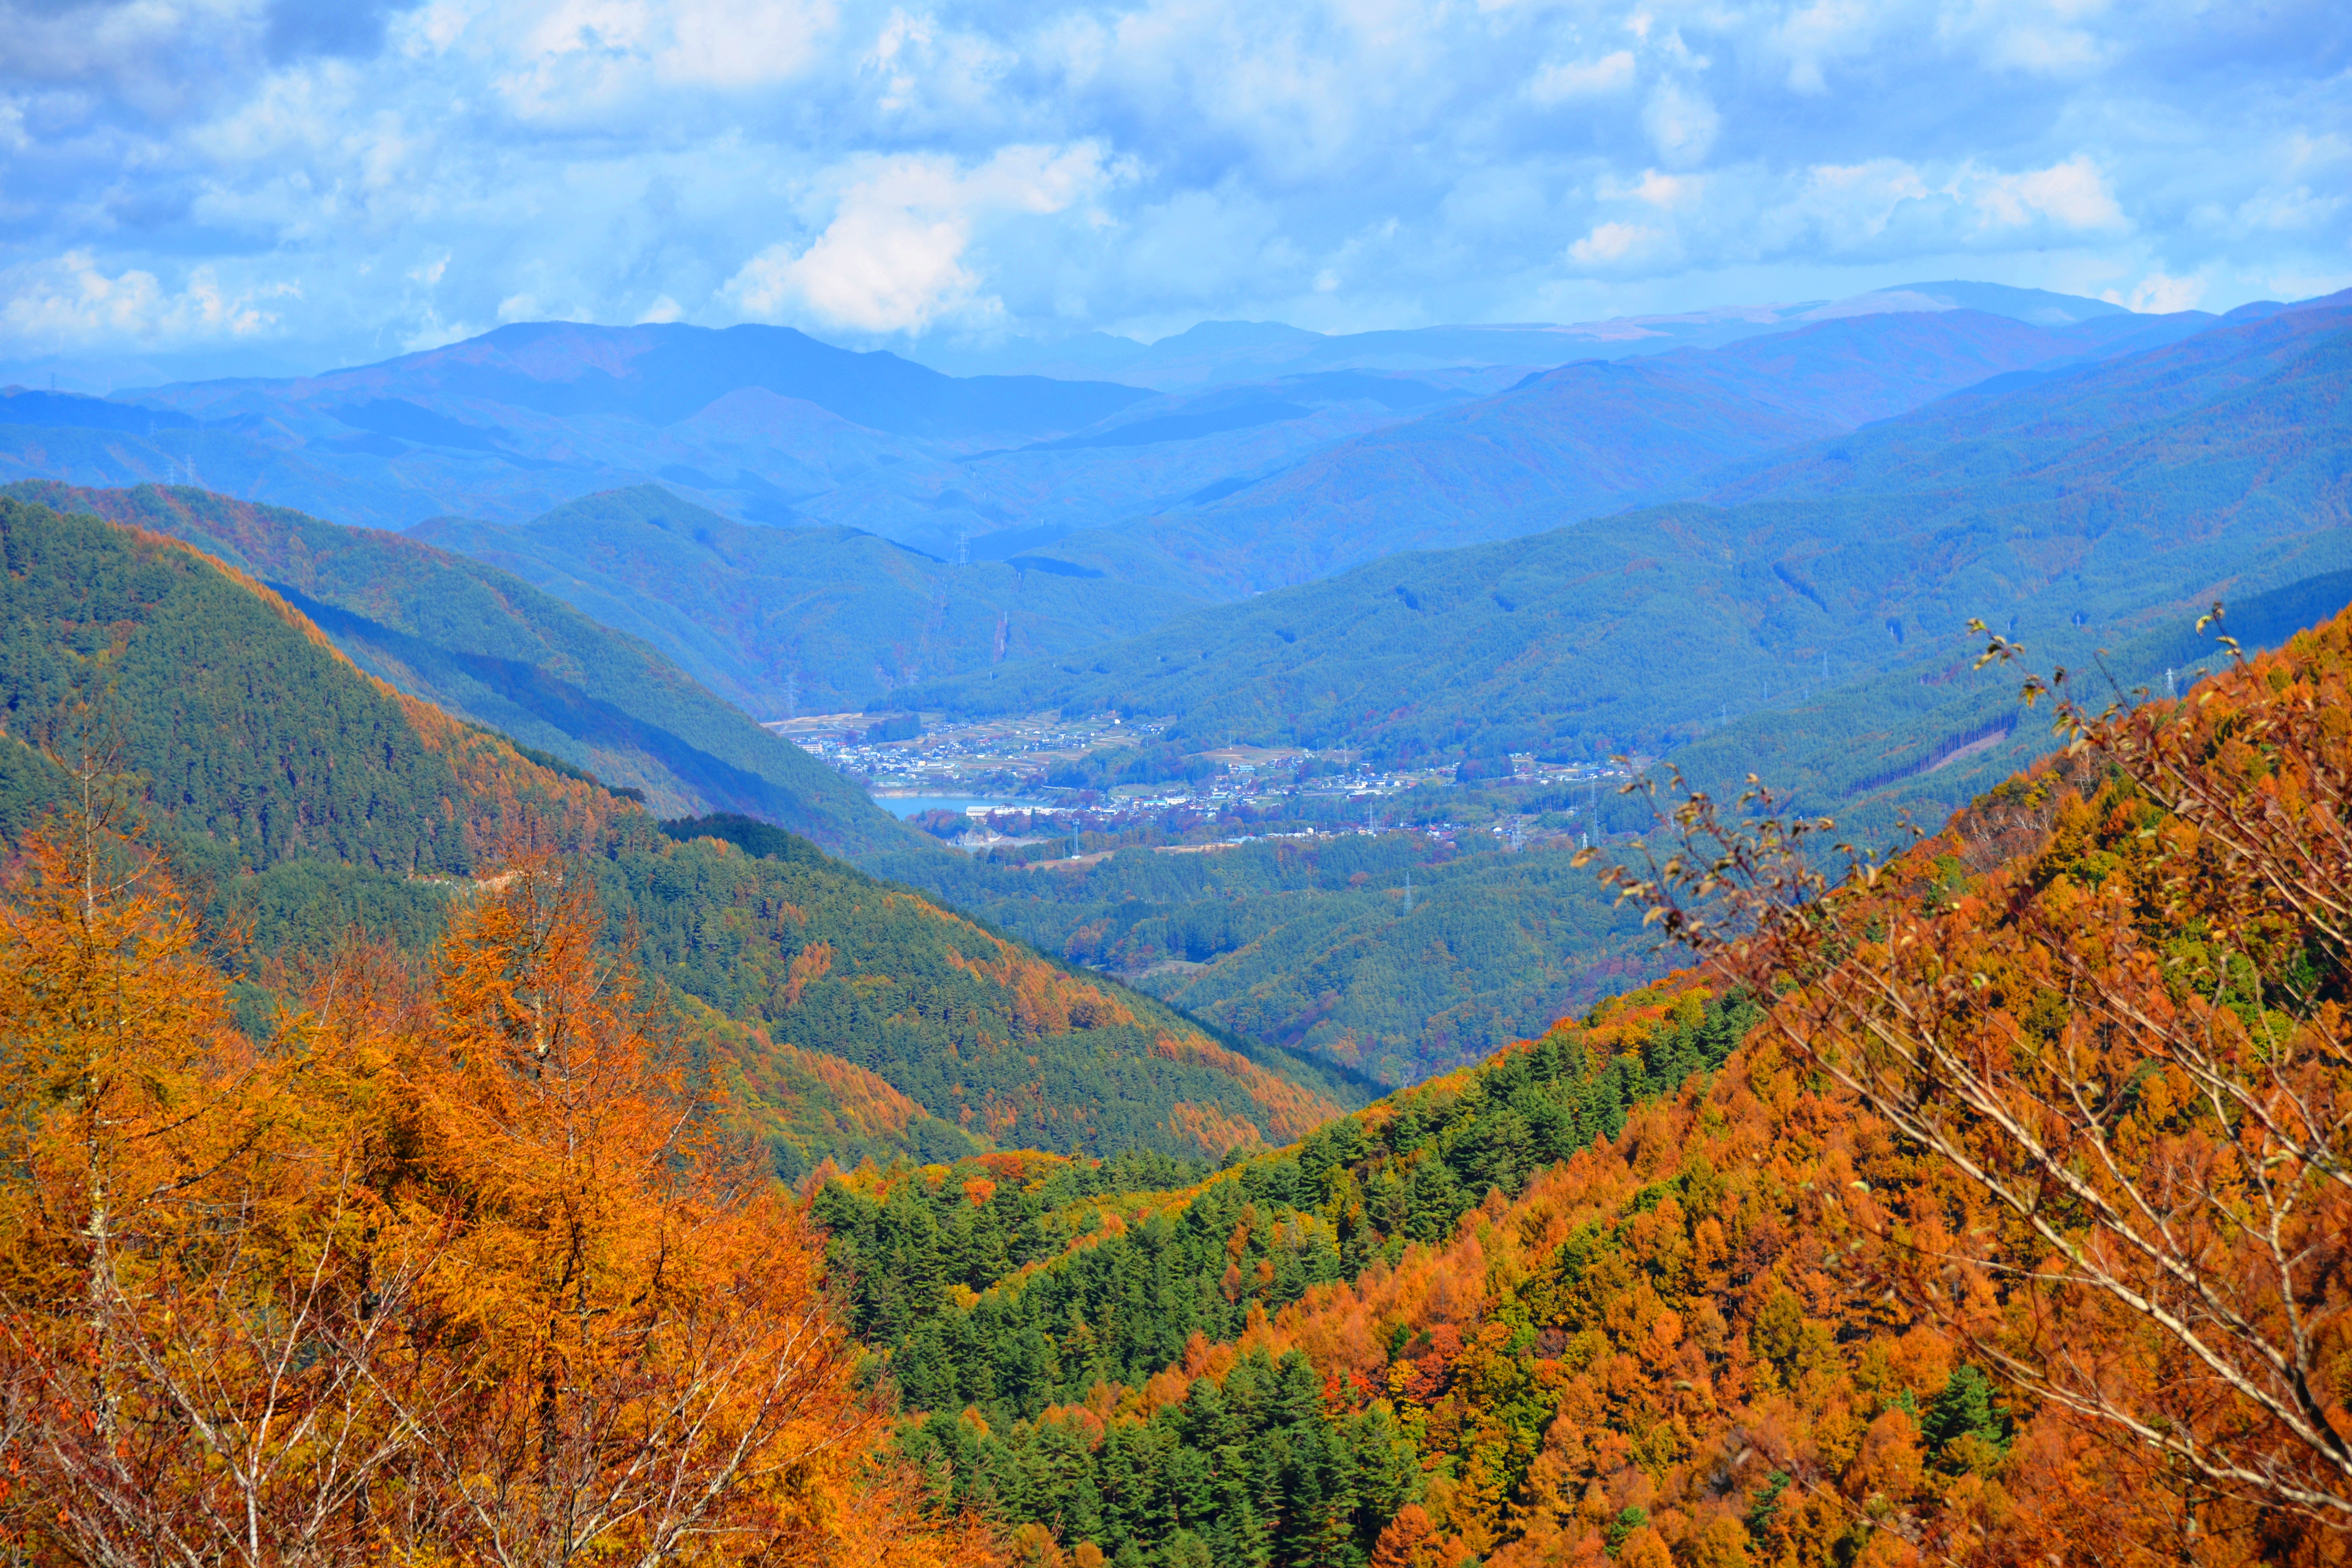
(1280, 458)
(2072, 507)
(1741, 542)
(768, 426)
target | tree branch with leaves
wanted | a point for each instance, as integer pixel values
(2110, 997)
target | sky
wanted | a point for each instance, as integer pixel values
(298, 183)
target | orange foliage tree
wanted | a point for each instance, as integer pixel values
(181, 1238)
(655, 1362)
(2111, 999)
(454, 1268)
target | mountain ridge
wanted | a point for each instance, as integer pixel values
(315, 805)
(2138, 487)
(494, 650)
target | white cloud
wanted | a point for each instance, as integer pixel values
(1664, 192)
(580, 61)
(70, 302)
(2042, 38)
(1582, 78)
(662, 309)
(2158, 293)
(2296, 210)
(1611, 242)
(892, 258)
(432, 332)
(1822, 31)
(2072, 194)
(1849, 205)
(744, 43)
(1680, 122)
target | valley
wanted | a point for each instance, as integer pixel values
(1073, 769)
(1208, 898)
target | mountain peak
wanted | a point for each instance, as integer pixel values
(2039, 306)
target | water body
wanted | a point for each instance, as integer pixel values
(906, 806)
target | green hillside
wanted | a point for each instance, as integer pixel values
(813, 620)
(1041, 1302)
(1309, 943)
(304, 793)
(979, 1030)
(488, 647)
(304, 798)
(1254, 1239)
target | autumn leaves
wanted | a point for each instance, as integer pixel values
(457, 1267)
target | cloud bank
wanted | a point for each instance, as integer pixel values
(345, 179)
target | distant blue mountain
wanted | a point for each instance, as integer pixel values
(764, 424)
(1807, 622)
(75, 411)
(1215, 353)
(1272, 462)
(1601, 434)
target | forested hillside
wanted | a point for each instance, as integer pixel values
(2000, 1219)
(1014, 1049)
(251, 739)
(1312, 944)
(307, 799)
(1150, 1271)
(779, 620)
(483, 646)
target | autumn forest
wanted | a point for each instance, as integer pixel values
(416, 1152)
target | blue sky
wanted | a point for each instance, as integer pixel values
(284, 182)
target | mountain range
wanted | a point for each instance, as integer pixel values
(1855, 482)
(1810, 612)
(765, 424)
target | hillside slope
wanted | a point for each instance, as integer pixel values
(780, 620)
(1311, 945)
(488, 647)
(1657, 1289)
(309, 799)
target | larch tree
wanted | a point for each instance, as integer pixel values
(200, 1301)
(454, 1267)
(656, 1369)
